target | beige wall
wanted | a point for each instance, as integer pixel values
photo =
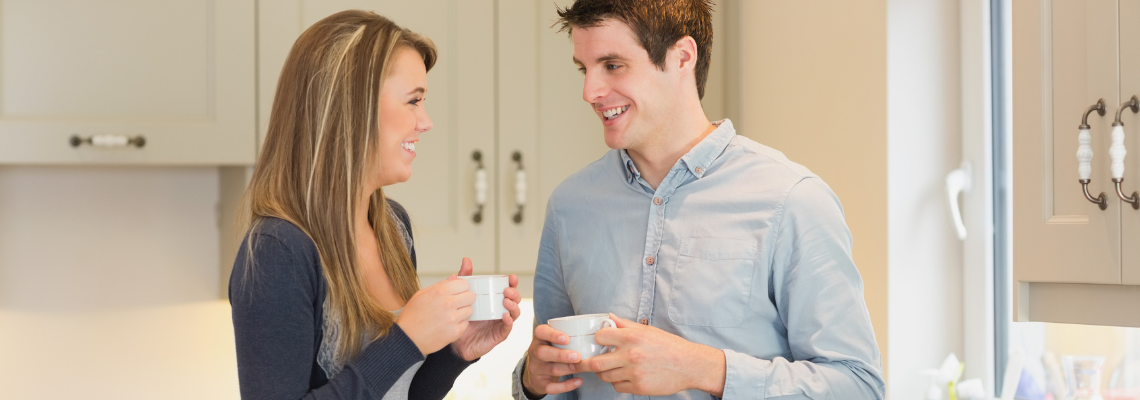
(813, 84)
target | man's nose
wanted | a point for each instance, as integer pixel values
(594, 88)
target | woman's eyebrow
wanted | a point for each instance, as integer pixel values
(419, 90)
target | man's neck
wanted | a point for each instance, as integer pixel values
(655, 159)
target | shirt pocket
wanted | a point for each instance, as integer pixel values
(712, 285)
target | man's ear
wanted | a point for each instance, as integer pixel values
(685, 51)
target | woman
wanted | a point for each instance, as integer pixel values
(326, 302)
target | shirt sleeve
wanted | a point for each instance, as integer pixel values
(550, 298)
(274, 307)
(819, 295)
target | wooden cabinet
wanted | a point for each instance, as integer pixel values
(1073, 262)
(542, 117)
(503, 84)
(178, 74)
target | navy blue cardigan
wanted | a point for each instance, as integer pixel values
(278, 327)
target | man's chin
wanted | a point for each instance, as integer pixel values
(615, 139)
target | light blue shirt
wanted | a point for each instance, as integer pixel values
(738, 248)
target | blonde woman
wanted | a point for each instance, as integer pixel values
(326, 302)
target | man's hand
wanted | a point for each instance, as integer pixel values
(649, 361)
(546, 364)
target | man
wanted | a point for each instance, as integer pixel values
(727, 267)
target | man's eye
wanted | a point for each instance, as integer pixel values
(612, 67)
(582, 70)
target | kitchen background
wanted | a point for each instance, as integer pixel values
(113, 262)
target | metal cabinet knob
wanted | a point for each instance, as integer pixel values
(1085, 154)
(1118, 152)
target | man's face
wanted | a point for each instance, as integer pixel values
(633, 98)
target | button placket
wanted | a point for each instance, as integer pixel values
(654, 232)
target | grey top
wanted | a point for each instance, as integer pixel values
(738, 248)
(279, 321)
(399, 390)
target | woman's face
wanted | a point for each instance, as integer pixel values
(402, 117)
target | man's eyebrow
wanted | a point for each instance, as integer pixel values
(602, 59)
(610, 57)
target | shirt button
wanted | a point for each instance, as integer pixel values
(657, 201)
(699, 169)
(649, 260)
(628, 176)
(644, 321)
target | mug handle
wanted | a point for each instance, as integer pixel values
(609, 323)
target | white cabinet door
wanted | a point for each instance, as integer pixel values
(179, 74)
(1064, 59)
(460, 100)
(1130, 86)
(542, 117)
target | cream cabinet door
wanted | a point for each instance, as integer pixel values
(440, 196)
(1130, 86)
(1064, 59)
(178, 74)
(543, 118)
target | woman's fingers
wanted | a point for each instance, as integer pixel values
(465, 267)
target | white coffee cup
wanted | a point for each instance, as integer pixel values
(581, 330)
(489, 297)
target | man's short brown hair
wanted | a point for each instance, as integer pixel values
(658, 25)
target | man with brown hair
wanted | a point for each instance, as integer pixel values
(727, 267)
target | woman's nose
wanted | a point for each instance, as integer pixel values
(424, 123)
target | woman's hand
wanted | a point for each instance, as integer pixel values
(437, 315)
(482, 336)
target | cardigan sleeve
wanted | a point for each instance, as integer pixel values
(277, 327)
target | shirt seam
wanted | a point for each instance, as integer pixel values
(777, 227)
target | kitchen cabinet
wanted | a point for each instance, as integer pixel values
(1073, 260)
(503, 85)
(154, 83)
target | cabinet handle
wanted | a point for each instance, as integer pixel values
(480, 186)
(1085, 154)
(520, 187)
(958, 181)
(1117, 151)
(108, 141)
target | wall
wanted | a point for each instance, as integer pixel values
(109, 285)
(812, 82)
(924, 143)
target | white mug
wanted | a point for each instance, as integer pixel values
(489, 297)
(581, 330)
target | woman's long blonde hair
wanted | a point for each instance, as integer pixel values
(322, 138)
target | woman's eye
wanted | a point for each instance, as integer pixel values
(415, 102)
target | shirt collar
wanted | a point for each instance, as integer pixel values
(698, 159)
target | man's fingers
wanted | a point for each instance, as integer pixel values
(549, 334)
(622, 322)
(563, 387)
(604, 362)
(614, 375)
(553, 354)
(513, 280)
(624, 387)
